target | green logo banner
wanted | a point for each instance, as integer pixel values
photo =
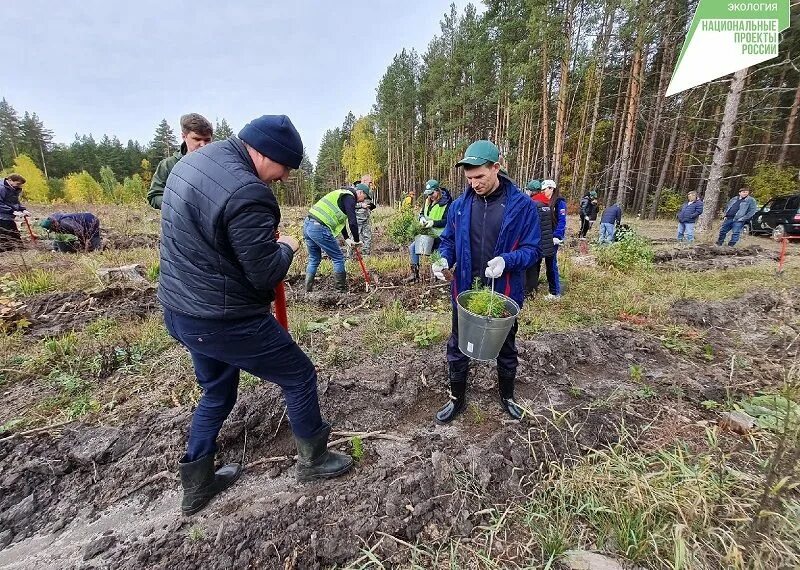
(728, 36)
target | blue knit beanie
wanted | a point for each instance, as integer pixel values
(275, 137)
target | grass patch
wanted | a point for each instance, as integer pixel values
(34, 282)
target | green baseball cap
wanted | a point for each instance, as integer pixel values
(479, 153)
(431, 186)
(593, 194)
(365, 189)
(46, 223)
(534, 185)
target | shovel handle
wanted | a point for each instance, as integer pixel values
(30, 231)
(363, 267)
(281, 314)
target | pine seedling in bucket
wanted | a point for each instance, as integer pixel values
(485, 302)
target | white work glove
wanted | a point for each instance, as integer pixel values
(557, 241)
(21, 214)
(427, 224)
(351, 243)
(439, 267)
(495, 267)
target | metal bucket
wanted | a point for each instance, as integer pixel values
(481, 338)
(423, 245)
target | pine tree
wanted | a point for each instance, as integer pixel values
(222, 130)
(35, 140)
(10, 133)
(328, 174)
(163, 144)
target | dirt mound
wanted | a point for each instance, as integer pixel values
(130, 241)
(55, 313)
(705, 257)
(751, 306)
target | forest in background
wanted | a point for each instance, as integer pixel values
(572, 90)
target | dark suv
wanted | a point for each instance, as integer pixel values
(778, 217)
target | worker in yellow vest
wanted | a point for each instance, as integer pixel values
(332, 215)
(433, 216)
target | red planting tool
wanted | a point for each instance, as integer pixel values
(363, 267)
(30, 231)
(280, 301)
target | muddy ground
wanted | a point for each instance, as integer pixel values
(707, 257)
(107, 497)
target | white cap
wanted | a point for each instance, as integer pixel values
(548, 184)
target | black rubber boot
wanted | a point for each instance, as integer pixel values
(340, 281)
(314, 461)
(505, 381)
(201, 483)
(414, 277)
(458, 393)
(309, 283)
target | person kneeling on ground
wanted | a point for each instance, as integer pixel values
(83, 225)
(326, 219)
(553, 223)
(10, 209)
(220, 264)
(433, 216)
(612, 217)
(492, 233)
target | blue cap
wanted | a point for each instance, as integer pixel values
(275, 137)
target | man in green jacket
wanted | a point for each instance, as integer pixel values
(196, 132)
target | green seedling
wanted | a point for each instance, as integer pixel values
(356, 448)
(484, 302)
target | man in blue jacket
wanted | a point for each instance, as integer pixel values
(687, 216)
(83, 225)
(220, 264)
(492, 233)
(611, 218)
(737, 213)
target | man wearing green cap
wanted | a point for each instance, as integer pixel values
(533, 187)
(332, 215)
(492, 235)
(432, 216)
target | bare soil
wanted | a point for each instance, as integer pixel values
(705, 257)
(107, 496)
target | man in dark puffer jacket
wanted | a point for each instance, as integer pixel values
(220, 263)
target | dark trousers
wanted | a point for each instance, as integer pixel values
(586, 225)
(507, 359)
(9, 235)
(79, 245)
(258, 345)
(551, 267)
(727, 226)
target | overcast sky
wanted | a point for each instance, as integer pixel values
(94, 66)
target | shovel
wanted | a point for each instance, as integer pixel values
(30, 231)
(364, 271)
(281, 314)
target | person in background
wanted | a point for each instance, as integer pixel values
(433, 216)
(533, 187)
(737, 213)
(588, 212)
(553, 223)
(364, 213)
(83, 225)
(10, 210)
(330, 216)
(196, 132)
(611, 218)
(687, 216)
(408, 201)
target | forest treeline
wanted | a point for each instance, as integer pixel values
(572, 90)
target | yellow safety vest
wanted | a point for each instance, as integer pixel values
(327, 211)
(434, 212)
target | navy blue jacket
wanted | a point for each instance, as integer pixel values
(517, 241)
(690, 211)
(219, 256)
(9, 201)
(83, 225)
(612, 215)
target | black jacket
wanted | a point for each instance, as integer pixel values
(545, 227)
(9, 201)
(219, 257)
